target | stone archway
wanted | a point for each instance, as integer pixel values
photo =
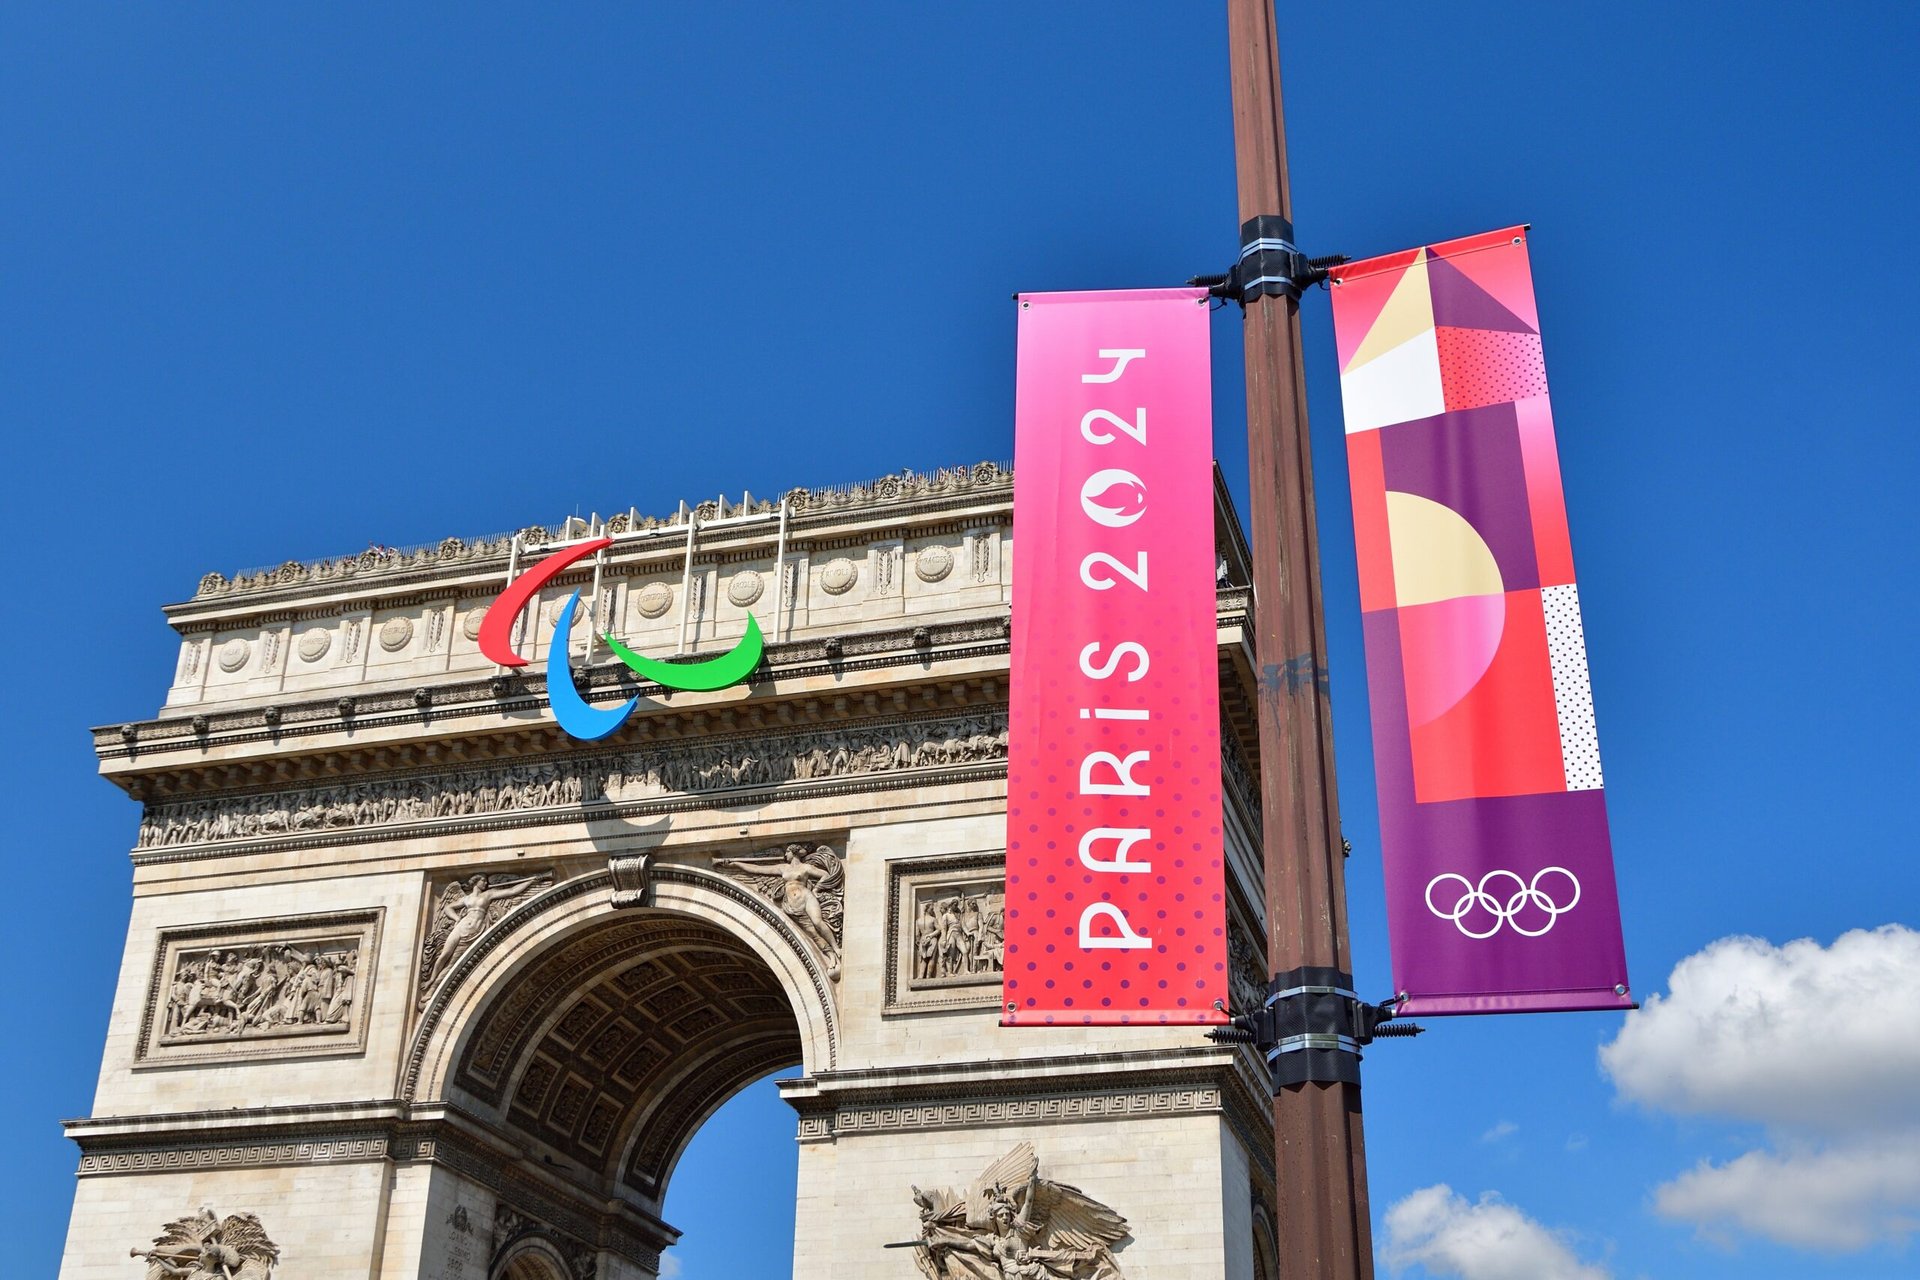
(531, 1259)
(614, 1045)
(594, 1039)
(575, 930)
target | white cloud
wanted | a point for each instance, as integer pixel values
(1819, 1044)
(1504, 1129)
(1796, 1034)
(669, 1266)
(1839, 1198)
(1488, 1240)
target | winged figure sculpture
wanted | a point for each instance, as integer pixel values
(465, 910)
(808, 885)
(1012, 1224)
(206, 1247)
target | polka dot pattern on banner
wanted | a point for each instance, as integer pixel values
(1572, 688)
(1484, 366)
(1180, 904)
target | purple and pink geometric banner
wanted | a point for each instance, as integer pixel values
(1493, 822)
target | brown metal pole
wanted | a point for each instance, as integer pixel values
(1319, 1153)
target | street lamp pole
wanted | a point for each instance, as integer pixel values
(1319, 1153)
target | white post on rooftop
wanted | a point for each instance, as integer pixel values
(513, 569)
(686, 576)
(780, 574)
(593, 611)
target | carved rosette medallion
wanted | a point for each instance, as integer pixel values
(807, 882)
(313, 645)
(933, 563)
(233, 655)
(745, 587)
(208, 1247)
(654, 600)
(470, 625)
(395, 633)
(1013, 1223)
(838, 577)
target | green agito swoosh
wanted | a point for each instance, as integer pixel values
(730, 667)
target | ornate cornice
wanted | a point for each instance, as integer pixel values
(451, 701)
(907, 493)
(267, 1137)
(1086, 1087)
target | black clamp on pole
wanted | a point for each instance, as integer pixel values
(1311, 1028)
(1270, 265)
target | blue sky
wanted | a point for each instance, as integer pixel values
(280, 282)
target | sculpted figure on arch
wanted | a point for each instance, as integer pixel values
(465, 910)
(807, 884)
(204, 1247)
(1012, 1224)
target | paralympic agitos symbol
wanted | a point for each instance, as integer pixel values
(571, 711)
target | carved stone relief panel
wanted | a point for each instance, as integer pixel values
(981, 566)
(1012, 1222)
(462, 910)
(946, 923)
(191, 652)
(395, 634)
(282, 988)
(883, 568)
(233, 654)
(1247, 966)
(807, 882)
(745, 587)
(933, 562)
(764, 760)
(652, 600)
(313, 643)
(206, 1246)
(838, 575)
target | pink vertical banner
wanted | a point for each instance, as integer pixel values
(1115, 882)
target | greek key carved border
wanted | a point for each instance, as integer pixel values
(182, 1157)
(974, 1113)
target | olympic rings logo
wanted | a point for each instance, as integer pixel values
(1477, 903)
(571, 711)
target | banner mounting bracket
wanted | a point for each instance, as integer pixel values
(1270, 264)
(1312, 1027)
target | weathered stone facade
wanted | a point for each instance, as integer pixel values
(415, 986)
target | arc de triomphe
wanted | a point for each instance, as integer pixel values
(417, 986)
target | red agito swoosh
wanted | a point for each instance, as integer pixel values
(496, 629)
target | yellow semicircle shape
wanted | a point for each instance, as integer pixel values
(1437, 555)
